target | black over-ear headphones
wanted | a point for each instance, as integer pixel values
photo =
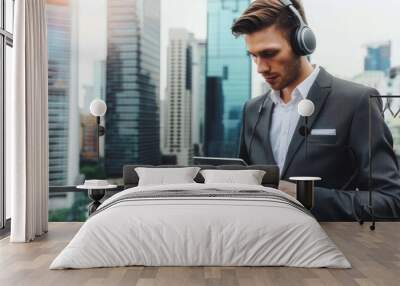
(303, 39)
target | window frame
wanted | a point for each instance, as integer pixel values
(6, 39)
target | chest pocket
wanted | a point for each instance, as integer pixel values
(322, 139)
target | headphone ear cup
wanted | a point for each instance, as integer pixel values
(295, 42)
(303, 41)
(308, 40)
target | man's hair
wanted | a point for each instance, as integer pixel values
(265, 13)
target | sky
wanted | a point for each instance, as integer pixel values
(342, 28)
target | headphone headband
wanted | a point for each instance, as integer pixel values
(303, 39)
(297, 14)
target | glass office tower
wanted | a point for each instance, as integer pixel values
(132, 91)
(228, 78)
(59, 58)
(378, 57)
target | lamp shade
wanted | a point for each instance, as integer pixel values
(305, 107)
(98, 107)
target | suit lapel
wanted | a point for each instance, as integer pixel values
(318, 95)
(265, 126)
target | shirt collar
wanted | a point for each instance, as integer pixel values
(301, 90)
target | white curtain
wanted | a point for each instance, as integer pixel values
(27, 122)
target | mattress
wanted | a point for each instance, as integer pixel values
(201, 225)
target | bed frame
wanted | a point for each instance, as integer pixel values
(270, 179)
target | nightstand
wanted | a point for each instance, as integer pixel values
(305, 190)
(96, 193)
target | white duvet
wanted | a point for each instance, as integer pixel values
(200, 231)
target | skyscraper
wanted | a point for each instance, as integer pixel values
(378, 57)
(228, 72)
(198, 95)
(132, 88)
(214, 128)
(98, 89)
(178, 101)
(62, 103)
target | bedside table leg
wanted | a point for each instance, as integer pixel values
(95, 196)
(305, 193)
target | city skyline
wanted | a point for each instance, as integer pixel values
(88, 52)
(86, 41)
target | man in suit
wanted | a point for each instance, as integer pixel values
(338, 146)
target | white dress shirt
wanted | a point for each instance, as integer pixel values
(285, 118)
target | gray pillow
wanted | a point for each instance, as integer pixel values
(165, 176)
(248, 177)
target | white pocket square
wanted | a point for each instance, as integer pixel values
(329, 132)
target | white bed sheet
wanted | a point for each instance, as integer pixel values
(202, 232)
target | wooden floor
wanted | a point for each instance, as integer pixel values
(375, 257)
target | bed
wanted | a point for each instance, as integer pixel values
(198, 224)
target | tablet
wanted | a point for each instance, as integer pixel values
(218, 161)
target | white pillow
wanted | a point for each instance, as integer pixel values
(248, 177)
(163, 176)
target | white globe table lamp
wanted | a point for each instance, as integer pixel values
(98, 108)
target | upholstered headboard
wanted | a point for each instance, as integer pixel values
(270, 179)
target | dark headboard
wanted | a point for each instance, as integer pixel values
(270, 179)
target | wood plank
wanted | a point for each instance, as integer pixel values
(375, 257)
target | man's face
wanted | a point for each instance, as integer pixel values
(274, 57)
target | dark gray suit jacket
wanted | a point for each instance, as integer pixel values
(341, 160)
